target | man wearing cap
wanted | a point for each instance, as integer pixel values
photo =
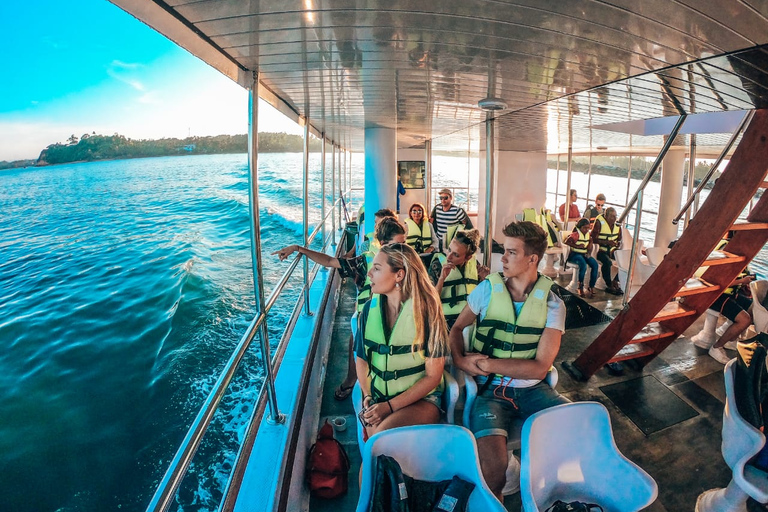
(447, 214)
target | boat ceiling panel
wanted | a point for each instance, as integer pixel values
(421, 67)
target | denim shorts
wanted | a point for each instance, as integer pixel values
(492, 415)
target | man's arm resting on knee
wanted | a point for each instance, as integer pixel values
(537, 368)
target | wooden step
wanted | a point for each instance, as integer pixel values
(696, 285)
(743, 225)
(652, 332)
(632, 351)
(673, 310)
(722, 258)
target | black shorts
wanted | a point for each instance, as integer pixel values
(731, 305)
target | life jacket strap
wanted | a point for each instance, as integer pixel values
(396, 374)
(391, 350)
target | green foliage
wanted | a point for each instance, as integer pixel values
(111, 147)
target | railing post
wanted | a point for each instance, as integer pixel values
(428, 172)
(322, 189)
(691, 176)
(333, 193)
(635, 239)
(305, 215)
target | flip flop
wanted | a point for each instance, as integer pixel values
(342, 392)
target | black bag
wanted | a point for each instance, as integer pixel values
(574, 506)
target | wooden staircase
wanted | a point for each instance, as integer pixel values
(670, 300)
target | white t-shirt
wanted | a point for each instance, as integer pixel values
(478, 302)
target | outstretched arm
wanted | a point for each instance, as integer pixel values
(318, 257)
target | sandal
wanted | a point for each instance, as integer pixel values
(590, 292)
(342, 392)
(581, 291)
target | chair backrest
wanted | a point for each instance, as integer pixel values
(759, 313)
(741, 442)
(656, 254)
(576, 461)
(432, 453)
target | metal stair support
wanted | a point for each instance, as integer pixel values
(738, 183)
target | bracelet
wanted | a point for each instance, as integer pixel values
(391, 410)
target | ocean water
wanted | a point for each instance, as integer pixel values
(124, 287)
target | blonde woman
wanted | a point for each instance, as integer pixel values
(401, 329)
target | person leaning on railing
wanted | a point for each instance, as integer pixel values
(388, 230)
(401, 344)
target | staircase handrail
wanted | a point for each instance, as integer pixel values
(703, 183)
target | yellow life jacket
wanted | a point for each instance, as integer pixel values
(529, 214)
(607, 234)
(548, 225)
(582, 243)
(504, 335)
(450, 232)
(365, 292)
(420, 238)
(457, 287)
(395, 365)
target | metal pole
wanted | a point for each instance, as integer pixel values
(333, 193)
(322, 188)
(567, 212)
(489, 169)
(691, 176)
(305, 215)
(635, 238)
(557, 185)
(428, 172)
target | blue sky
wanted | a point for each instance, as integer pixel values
(85, 66)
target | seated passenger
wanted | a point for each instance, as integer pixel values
(401, 343)
(421, 236)
(457, 274)
(389, 230)
(734, 305)
(580, 243)
(520, 323)
(594, 211)
(573, 210)
(607, 234)
(369, 241)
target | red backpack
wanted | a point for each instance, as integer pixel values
(328, 465)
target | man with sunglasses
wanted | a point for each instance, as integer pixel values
(593, 211)
(447, 214)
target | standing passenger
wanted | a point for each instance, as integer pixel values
(580, 243)
(401, 343)
(521, 322)
(447, 215)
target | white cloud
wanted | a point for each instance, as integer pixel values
(123, 72)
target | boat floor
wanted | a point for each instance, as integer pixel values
(681, 450)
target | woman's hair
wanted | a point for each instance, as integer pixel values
(388, 228)
(384, 213)
(427, 308)
(470, 238)
(582, 223)
(423, 211)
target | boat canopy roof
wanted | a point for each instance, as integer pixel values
(583, 72)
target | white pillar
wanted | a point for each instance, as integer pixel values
(521, 182)
(672, 171)
(380, 172)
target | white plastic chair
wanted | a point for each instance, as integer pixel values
(569, 454)
(431, 453)
(759, 313)
(450, 397)
(656, 254)
(641, 270)
(741, 442)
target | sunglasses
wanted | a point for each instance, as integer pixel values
(443, 198)
(417, 210)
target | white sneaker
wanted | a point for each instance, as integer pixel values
(513, 476)
(719, 355)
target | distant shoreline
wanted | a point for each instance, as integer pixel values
(91, 148)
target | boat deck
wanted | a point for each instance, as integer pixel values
(667, 417)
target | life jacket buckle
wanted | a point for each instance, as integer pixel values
(384, 350)
(510, 328)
